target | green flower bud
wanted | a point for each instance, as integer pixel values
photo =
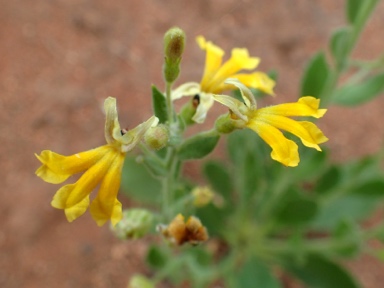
(202, 195)
(157, 137)
(174, 42)
(140, 281)
(134, 224)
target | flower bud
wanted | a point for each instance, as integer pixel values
(134, 224)
(157, 137)
(140, 281)
(202, 196)
(174, 42)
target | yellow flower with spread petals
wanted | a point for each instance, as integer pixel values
(215, 74)
(101, 165)
(268, 121)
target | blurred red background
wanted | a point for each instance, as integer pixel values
(59, 59)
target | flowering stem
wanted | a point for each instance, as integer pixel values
(169, 102)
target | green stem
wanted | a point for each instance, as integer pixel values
(169, 102)
(333, 78)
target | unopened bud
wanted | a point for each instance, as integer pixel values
(140, 281)
(157, 137)
(134, 224)
(174, 42)
(202, 196)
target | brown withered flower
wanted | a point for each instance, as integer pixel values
(180, 232)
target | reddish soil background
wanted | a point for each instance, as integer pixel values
(59, 59)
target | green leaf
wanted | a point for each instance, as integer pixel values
(320, 272)
(159, 104)
(372, 188)
(353, 7)
(296, 210)
(339, 45)
(328, 180)
(347, 236)
(138, 183)
(355, 94)
(347, 208)
(311, 166)
(219, 178)
(254, 274)
(156, 257)
(198, 146)
(315, 76)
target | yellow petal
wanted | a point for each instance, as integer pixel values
(214, 56)
(87, 182)
(306, 106)
(117, 213)
(104, 205)
(257, 80)
(283, 150)
(77, 210)
(239, 60)
(308, 132)
(57, 168)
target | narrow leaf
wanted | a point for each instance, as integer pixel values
(198, 146)
(315, 76)
(219, 178)
(159, 105)
(254, 274)
(355, 94)
(320, 272)
(339, 45)
(353, 7)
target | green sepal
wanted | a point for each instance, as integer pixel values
(159, 105)
(198, 146)
(356, 94)
(315, 76)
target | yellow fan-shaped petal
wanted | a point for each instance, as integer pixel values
(214, 56)
(102, 207)
(283, 150)
(240, 60)
(306, 106)
(90, 179)
(257, 80)
(77, 210)
(308, 132)
(57, 168)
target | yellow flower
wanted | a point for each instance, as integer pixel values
(101, 165)
(268, 120)
(215, 74)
